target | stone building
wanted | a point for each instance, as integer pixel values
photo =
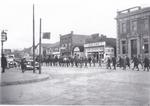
(100, 46)
(133, 32)
(69, 41)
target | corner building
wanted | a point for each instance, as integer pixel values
(69, 42)
(133, 32)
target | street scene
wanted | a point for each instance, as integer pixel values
(81, 86)
(53, 53)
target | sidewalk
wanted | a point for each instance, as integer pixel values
(15, 77)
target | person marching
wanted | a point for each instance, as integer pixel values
(89, 60)
(120, 61)
(114, 62)
(124, 62)
(128, 62)
(136, 63)
(23, 65)
(85, 61)
(146, 63)
(100, 62)
(108, 63)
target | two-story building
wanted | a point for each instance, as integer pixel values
(68, 42)
(133, 32)
(100, 46)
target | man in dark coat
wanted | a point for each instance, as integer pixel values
(108, 63)
(89, 60)
(136, 63)
(114, 62)
(23, 65)
(120, 62)
(128, 61)
(146, 63)
(3, 63)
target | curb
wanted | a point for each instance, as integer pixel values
(24, 82)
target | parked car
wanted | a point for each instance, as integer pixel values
(29, 65)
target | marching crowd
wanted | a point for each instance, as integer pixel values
(110, 62)
(91, 61)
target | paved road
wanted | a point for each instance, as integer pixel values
(83, 86)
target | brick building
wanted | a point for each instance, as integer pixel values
(133, 32)
(69, 41)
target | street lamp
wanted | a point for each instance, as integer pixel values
(3, 39)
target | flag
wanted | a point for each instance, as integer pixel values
(46, 35)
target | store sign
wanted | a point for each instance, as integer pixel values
(95, 44)
(3, 36)
(97, 49)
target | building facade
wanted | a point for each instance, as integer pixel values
(48, 49)
(100, 46)
(69, 41)
(133, 32)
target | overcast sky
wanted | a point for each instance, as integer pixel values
(60, 17)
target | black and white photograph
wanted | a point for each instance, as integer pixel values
(75, 52)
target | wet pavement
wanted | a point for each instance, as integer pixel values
(83, 86)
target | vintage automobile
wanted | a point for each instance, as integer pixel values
(29, 65)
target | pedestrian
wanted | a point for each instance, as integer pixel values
(72, 61)
(124, 63)
(85, 61)
(146, 63)
(23, 65)
(89, 60)
(108, 63)
(100, 62)
(127, 61)
(3, 63)
(136, 63)
(94, 61)
(81, 61)
(120, 61)
(140, 61)
(76, 60)
(114, 62)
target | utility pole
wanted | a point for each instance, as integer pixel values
(33, 42)
(40, 57)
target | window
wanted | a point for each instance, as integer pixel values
(124, 49)
(124, 28)
(145, 45)
(144, 24)
(134, 26)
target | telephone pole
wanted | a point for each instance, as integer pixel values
(40, 57)
(33, 42)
